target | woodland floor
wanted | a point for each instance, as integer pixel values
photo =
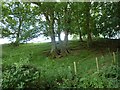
(85, 58)
(35, 54)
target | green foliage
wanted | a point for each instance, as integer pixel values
(58, 73)
(22, 22)
(29, 77)
(19, 22)
(23, 76)
(106, 78)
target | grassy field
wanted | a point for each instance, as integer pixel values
(36, 55)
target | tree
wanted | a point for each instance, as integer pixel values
(106, 18)
(48, 10)
(87, 23)
(77, 19)
(23, 21)
(18, 22)
(53, 13)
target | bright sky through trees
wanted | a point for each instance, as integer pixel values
(40, 39)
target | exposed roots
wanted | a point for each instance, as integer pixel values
(54, 53)
(64, 52)
(59, 53)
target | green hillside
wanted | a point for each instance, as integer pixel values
(61, 72)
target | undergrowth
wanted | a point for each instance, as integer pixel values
(27, 67)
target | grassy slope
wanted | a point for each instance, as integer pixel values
(35, 54)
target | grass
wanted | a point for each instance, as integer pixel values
(35, 55)
(60, 72)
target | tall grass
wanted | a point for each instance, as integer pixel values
(78, 69)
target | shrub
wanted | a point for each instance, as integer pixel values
(107, 77)
(24, 76)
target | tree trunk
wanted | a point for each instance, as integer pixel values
(60, 46)
(80, 36)
(66, 38)
(64, 49)
(89, 38)
(63, 44)
(59, 39)
(18, 33)
(59, 30)
(54, 51)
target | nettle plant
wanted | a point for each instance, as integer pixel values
(24, 76)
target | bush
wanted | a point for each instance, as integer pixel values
(107, 77)
(24, 76)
